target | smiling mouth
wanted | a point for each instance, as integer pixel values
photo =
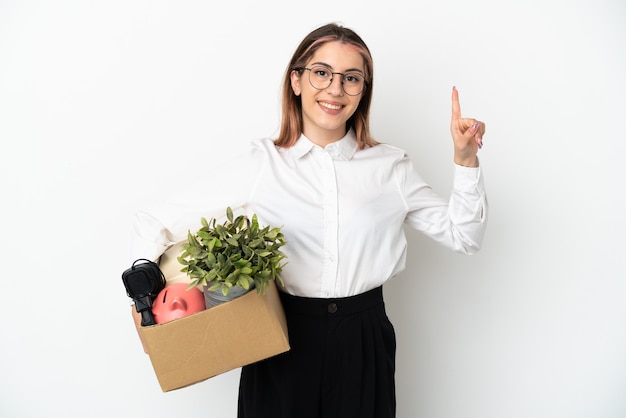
(330, 106)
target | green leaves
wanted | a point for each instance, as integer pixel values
(236, 253)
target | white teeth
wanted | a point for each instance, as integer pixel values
(329, 106)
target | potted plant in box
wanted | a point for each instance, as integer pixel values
(232, 258)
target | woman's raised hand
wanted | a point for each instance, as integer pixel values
(467, 134)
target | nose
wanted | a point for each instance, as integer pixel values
(336, 85)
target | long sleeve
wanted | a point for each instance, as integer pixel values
(458, 223)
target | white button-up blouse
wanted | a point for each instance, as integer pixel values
(341, 210)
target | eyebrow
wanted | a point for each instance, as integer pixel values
(349, 70)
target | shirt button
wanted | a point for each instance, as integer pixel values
(332, 308)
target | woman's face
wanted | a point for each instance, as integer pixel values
(326, 111)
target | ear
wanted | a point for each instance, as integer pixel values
(295, 82)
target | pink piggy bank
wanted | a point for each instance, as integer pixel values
(175, 301)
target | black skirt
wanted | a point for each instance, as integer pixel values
(341, 363)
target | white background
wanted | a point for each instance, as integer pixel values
(107, 106)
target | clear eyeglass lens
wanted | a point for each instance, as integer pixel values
(321, 77)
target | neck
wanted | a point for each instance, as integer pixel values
(326, 137)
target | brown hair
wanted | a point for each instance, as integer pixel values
(291, 123)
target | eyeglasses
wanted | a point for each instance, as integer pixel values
(321, 77)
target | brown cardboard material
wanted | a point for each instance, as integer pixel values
(245, 330)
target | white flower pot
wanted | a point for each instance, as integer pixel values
(216, 297)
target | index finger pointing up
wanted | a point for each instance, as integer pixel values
(456, 106)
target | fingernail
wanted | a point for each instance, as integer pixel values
(475, 126)
(480, 144)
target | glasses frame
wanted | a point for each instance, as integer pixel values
(332, 74)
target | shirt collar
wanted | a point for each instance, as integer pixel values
(342, 149)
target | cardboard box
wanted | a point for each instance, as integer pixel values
(245, 330)
(236, 333)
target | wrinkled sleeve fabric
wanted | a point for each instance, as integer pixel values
(458, 223)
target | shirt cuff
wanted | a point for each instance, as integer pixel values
(467, 179)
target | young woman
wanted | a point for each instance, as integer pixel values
(342, 199)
